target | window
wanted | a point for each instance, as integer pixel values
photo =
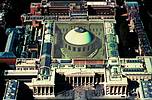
(93, 29)
(79, 49)
(74, 49)
(66, 29)
(83, 48)
(31, 68)
(96, 29)
(65, 45)
(38, 9)
(115, 70)
(92, 47)
(114, 61)
(69, 47)
(63, 30)
(72, 27)
(88, 48)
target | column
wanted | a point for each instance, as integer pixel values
(34, 90)
(85, 81)
(35, 35)
(113, 90)
(121, 89)
(77, 82)
(53, 90)
(101, 79)
(117, 90)
(93, 81)
(31, 28)
(96, 80)
(39, 32)
(44, 90)
(73, 81)
(89, 80)
(49, 90)
(110, 89)
(106, 89)
(41, 91)
(65, 78)
(37, 90)
(81, 81)
(125, 90)
(69, 80)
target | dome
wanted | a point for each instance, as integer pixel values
(79, 36)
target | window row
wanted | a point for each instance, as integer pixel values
(80, 49)
(65, 30)
(27, 68)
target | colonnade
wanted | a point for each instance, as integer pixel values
(25, 68)
(83, 80)
(116, 90)
(139, 77)
(80, 80)
(43, 90)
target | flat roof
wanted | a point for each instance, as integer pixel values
(148, 63)
(115, 81)
(11, 90)
(45, 82)
(146, 87)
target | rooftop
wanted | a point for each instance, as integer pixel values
(148, 63)
(11, 90)
(79, 36)
(7, 55)
(146, 87)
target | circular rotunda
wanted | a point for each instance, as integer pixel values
(79, 42)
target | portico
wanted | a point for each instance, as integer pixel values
(81, 76)
(77, 79)
(43, 90)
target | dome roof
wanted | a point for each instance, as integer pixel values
(79, 36)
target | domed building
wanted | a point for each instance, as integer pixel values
(79, 43)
